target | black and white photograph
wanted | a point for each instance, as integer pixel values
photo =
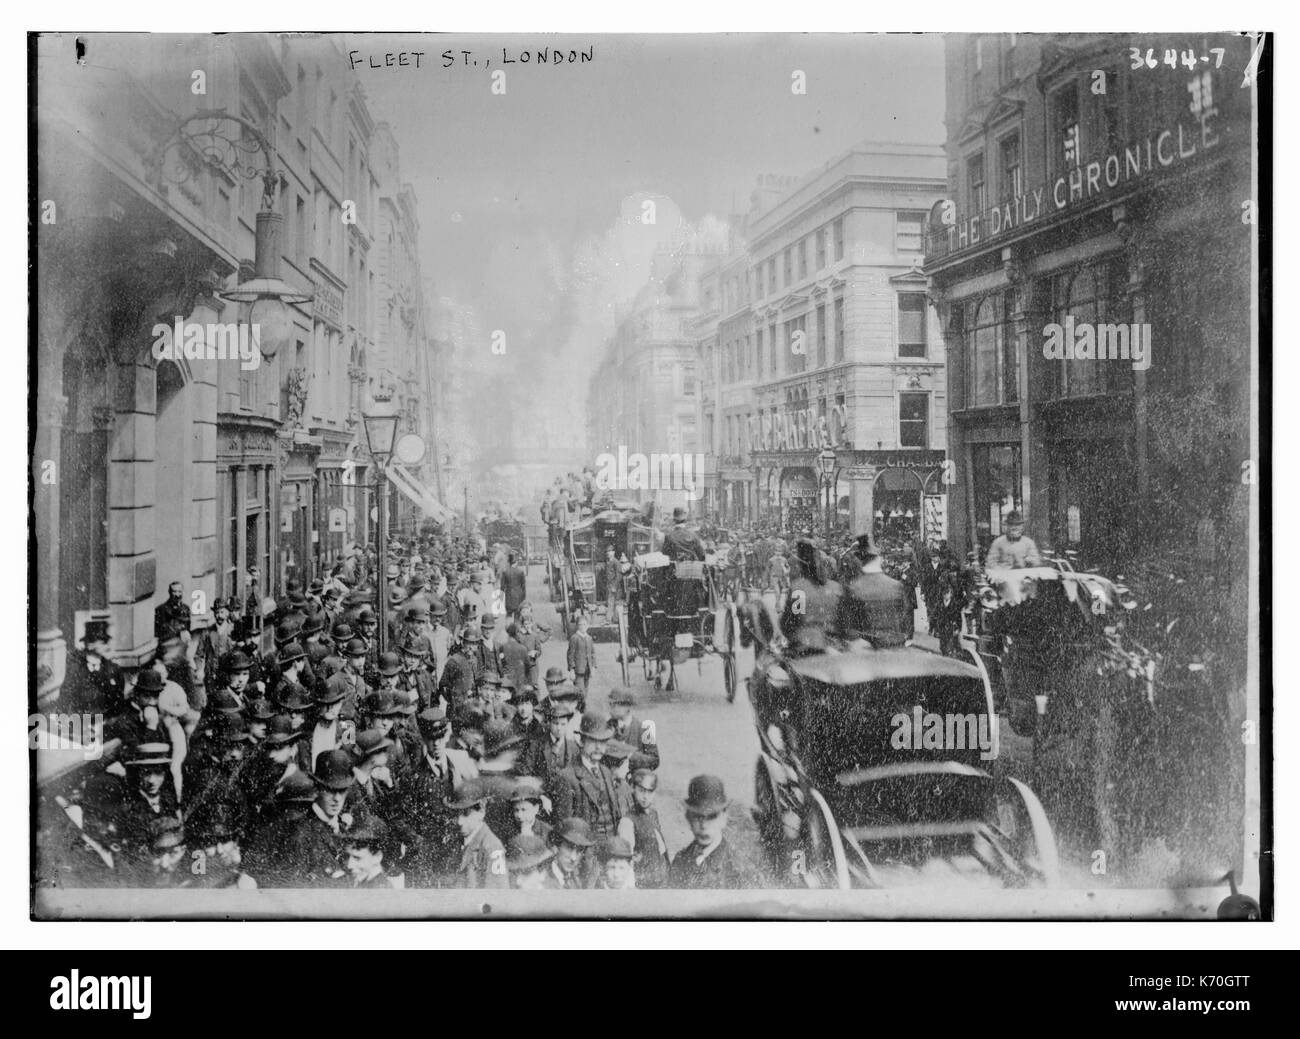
(649, 476)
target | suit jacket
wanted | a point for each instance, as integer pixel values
(876, 605)
(722, 869)
(483, 861)
(93, 692)
(424, 823)
(458, 680)
(683, 543)
(547, 760)
(594, 796)
(514, 662)
(582, 653)
(649, 844)
(312, 854)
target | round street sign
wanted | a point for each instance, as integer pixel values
(410, 448)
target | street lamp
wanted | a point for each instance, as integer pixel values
(826, 460)
(381, 433)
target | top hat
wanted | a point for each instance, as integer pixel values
(96, 631)
(595, 726)
(705, 796)
(334, 770)
(573, 831)
(527, 851)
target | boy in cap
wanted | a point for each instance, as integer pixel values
(708, 861)
(166, 853)
(560, 749)
(363, 849)
(526, 805)
(483, 856)
(527, 858)
(647, 835)
(618, 872)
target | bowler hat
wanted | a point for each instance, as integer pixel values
(366, 616)
(290, 652)
(471, 634)
(296, 786)
(372, 741)
(316, 587)
(390, 663)
(293, 697)
(334, 770)
(432, 722)
(281, 731)
(313, 624)
(438, 608)
(1014, 517)
(595, 726)
(149, 681)
(354, 648)
(286, 632)
(370, 832)
(527, 851)
(336, 688)
(146, 754)
(341, 632)
(573, 831)
(556, 708)
(469, 794)
(705, 796)
(615, 847)
(382, 704)
(616, 751)
(525, 694)
(499, 736)
(238, 661)
(417, 646)
(554, 675)
(621, 694)
(260, 710)
(228, 727)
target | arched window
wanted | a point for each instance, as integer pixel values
(1089, 296)
(992, 363)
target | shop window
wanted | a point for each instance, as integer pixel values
(913, 419)
(911, 324)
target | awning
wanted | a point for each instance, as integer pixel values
(424, 498)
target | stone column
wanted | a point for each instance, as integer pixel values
(51, 647)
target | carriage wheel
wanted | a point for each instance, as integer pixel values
(825, 864)
(1023, 819)
(767, 815)
(729, 675)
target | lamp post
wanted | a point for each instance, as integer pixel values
(826, 461)
(381, 432)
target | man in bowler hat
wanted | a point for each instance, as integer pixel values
(709, 860)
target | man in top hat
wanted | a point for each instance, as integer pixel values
(171, 614)
(424, 818)
(875, 606)
(527, 859)
(313, 845)
(708, 861)
(647, 835)
(681, 542)
(364, 848)
(572, 867)
(629, 728)
(1012, 550)
(483, 857)
(93, 683)
(587, 789)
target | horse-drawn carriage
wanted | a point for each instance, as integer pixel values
(874, 772)
(678, 611)
(576, 567)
